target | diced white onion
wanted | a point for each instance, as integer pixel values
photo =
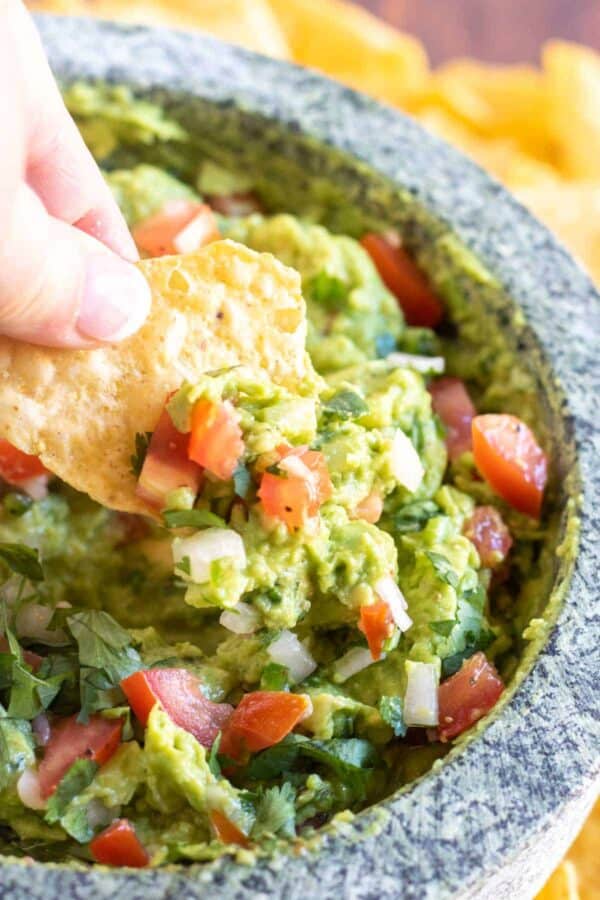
(293, 465)
(41, 728)
(99, 815)
(32, 621)
(241, 619)
(421, 697)
(406, 466)
(288, 651)
(198, 232)
(207, 547)
(36, 488)
(309, 708)
(352, 662)
(434, 364)
(387, 590)
(28, 789)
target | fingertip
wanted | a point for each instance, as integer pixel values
(110, 229)
(115, 301)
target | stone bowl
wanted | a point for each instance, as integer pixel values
(492, 819)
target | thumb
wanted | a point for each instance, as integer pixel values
(62, 288)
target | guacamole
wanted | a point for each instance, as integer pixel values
(328, 596)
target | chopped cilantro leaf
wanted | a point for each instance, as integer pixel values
(192, 518)
(213, 761)
(275, 813)
(275, 677)
(444, 627)
(345, 405)
(443, 568)
(22, 560)
(79, 776)
(414, 516)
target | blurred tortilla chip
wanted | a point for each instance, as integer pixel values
(501, 156)
(355, 47)
(81, 410)
(584, 855)
(249, 23)
(494, 101)
(573, 82)
(572, 211)
(562, 884)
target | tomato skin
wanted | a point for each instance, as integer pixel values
(451, 402)
(216, 441)
(377, 624)
(166, 466)
(260, 720)
(16, 466)
(404, 279)
(226, 831)
(158, 235)
(511, 461)
(119, 845)
(179, 694)
(71, 740)
(467, 696)
(487, 531)
(292, 497)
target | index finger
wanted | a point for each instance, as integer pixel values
(59, 167)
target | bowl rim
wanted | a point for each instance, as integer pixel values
(410, 835)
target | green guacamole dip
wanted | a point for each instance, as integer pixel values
(332, 565)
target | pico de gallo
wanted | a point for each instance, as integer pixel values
(325, 601)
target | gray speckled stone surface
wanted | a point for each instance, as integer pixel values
(492, 822)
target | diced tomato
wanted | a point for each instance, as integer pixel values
(180, 695)
(32, 659)
(216, 441)
(486, 529)
(17, 467)
(261, 719)
(71, 740)
(511, 461)
(377, 624)
(370, 508)
(167, 466)
(235, 205)
(467, 696)
(298, 493)
(450, 400)
(226, 831)
(181, 226)
(119, 845)
(404, 279)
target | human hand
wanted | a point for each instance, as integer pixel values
(66, 273)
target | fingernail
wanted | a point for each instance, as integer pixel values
(116, 299)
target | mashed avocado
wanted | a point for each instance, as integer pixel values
(320, 571)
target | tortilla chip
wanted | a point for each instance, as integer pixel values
(562, 884)
(584, 855)
(572, 211)
(495, 102)
(249, 23)
(355, 47)
(80, 410)
(573, 78)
